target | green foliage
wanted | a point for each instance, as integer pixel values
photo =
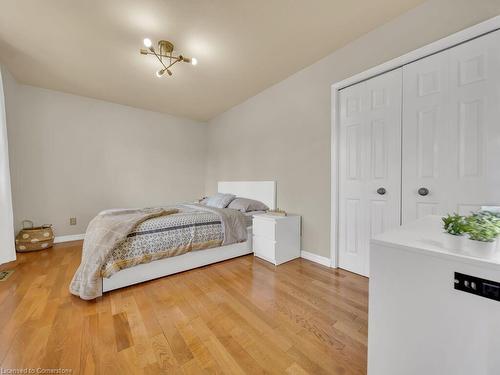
(454, 224)
(482, 226)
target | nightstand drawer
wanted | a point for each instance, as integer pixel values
(264, 228)
(264, 247)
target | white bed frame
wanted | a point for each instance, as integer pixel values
(264, 191)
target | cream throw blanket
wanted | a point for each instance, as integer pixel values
(104, 233)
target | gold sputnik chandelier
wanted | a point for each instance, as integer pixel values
(165, 56)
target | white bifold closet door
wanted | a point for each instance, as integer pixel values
(369, 166)
(451, 130)
(428, 134)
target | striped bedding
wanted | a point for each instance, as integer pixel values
(192, 228)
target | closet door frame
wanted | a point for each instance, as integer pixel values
(453, 40)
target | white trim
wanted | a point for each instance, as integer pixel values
(432, 48)
(71, 237)
(334, 183)
(324, 261)
(7, 235)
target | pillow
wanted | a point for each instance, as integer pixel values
(246, 205)
(220, 200)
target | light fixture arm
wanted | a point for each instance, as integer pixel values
(175, 61)
(178, 58)
(157, 56)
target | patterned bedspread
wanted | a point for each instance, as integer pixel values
(166, 236)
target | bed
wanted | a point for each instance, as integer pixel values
(263, 191)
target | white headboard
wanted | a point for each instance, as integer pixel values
(264, 191)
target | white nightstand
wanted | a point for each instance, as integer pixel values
(276, 238)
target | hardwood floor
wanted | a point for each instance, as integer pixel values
(235, 317)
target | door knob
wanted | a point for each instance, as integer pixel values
(381, 191)
(423, 191)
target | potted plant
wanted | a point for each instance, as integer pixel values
(482, 228)
(455, 225)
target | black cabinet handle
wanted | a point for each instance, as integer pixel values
(423, 191)
(381, 191)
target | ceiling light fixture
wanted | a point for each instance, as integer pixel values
(165, 56)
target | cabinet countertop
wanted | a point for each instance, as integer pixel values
(427, 236)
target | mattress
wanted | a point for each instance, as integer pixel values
(166, 236)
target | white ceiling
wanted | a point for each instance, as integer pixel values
(91, 47)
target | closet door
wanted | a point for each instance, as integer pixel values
(475, 124)
(370, 166)
(426, 128)
(451, 130)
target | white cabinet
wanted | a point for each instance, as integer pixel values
(428, 133)
(418, 322)
(276, 238)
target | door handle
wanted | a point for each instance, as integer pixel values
(381, 191)
(423, 191)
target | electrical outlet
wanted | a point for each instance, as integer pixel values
(476, 285)
(72, 221)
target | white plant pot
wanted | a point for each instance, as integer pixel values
(480, 248)
(453, 242)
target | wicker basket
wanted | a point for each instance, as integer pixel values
(32, 238)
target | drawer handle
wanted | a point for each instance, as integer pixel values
(381, 191)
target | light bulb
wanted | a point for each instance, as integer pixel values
(160, 73)
(147, 42)
(169, 72)
(194, 61)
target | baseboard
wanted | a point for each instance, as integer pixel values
(71, 237)
(316, 258)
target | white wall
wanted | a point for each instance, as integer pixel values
(283, 133)
(72, 156)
